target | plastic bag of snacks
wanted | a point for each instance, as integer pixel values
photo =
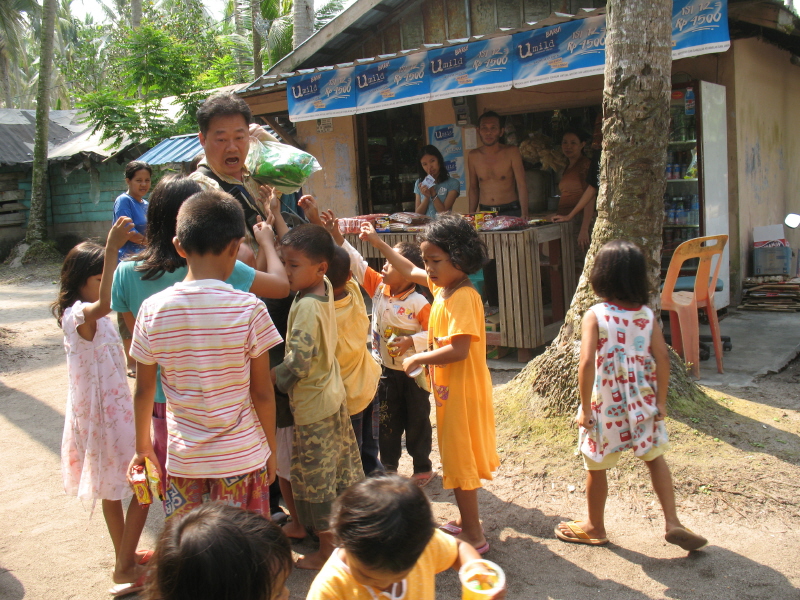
(409, 218)
(351, 224)
(504, 223)
(280, 166)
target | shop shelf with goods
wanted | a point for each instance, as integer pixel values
(389, 143)
(696, 197)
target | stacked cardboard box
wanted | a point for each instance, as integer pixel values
(777, 294)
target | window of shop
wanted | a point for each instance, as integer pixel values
(389, 143)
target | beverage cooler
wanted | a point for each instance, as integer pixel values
(696, 197)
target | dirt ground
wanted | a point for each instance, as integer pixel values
(735, 462)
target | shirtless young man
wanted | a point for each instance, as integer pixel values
(496, 174)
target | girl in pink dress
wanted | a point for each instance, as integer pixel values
(98, 440)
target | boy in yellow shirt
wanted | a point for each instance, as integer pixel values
(360, 371)
(388, 545)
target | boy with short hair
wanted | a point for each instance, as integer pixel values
(360, 371)
(211, 343)
(325, 459)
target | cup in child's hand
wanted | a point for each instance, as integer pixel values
(415, 373)
(480, 579)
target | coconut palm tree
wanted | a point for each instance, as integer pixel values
(14, 16)
(277, 25)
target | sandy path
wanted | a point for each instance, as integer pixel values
(51, 549)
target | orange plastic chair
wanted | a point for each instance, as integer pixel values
(683, 306)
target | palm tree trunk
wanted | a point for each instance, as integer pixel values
(37, 219)
(630, 203)
(303, 20)
(255, 13)
(5, 80)
(136, 13)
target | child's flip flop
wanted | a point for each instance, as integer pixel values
(451, 528)
(685, 538)
(423, 479)
(580, 536)
(125, 589)
(145, 557)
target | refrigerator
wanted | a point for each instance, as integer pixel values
(696, 197)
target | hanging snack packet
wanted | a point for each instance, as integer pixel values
(280, 166)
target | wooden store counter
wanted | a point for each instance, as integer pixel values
(531, 279)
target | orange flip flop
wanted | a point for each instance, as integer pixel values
(581, 537)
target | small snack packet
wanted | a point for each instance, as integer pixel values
(141, 487)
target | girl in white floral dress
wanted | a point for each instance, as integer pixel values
(622, 379)
(98, 440)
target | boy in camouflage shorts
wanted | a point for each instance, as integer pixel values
(325, 457)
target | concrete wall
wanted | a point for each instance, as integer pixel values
(336, 186)
(767, 86)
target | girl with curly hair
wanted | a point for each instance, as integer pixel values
(456, 361)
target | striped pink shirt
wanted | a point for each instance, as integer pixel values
(202, 334)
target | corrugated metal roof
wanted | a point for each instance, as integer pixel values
(18, 132)
(181, 148)
(67, 136)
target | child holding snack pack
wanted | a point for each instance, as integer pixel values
(210, 342)
(623, 379)
(462, 386)
(98, 430)
(389, 546)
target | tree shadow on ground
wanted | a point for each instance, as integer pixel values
(722, 573)
(41, 422)
(11, 588)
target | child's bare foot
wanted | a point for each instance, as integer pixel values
(581, 532)
(294, 530)
(476, 541)
(313, 561)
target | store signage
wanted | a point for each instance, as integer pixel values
(323, 94)
(577, 48)
(473, 68)
(699, 27)
(447, 138)
(391, 83)
(565, 51)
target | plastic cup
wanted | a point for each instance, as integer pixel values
(480, 579)
(415, 372)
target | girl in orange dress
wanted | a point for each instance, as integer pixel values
(462, 386)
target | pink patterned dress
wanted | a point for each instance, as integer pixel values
(99, 438)
(624, 397)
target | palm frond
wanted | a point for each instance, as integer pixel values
(326, 13)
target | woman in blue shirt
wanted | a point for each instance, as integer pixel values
(439, 197)
(132, 204)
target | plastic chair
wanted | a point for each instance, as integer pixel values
(683, 306)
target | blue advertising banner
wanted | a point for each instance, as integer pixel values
(577, 48)
(566, 51)
(474, 68)
(447, 138)
(321, 95)
(390, 83)
(699, 27)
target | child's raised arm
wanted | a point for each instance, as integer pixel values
(586, 369)
(270, 280)
(406, 268)
(117, 236)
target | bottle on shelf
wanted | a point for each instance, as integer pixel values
(688, 102)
